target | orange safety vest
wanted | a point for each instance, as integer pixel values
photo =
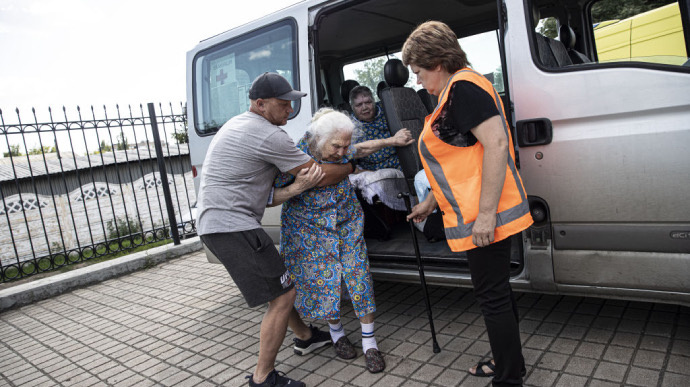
(455, 174)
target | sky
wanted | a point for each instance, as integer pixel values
(70, 53)
(105, 52)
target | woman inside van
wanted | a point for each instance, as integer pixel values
(322, 239)
(466, 153)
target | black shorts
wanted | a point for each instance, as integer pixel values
(253, 263)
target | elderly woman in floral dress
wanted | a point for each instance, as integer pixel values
(321, 236)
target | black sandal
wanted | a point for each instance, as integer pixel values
(479, 369)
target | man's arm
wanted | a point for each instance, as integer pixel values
(333, 173)
(402, 137)
(305, 179)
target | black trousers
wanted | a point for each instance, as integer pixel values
(490, 271)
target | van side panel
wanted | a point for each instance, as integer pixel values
(618, 160)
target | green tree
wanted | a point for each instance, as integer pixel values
(548, 27)
(14, 151)
(618, 10)
(43, 150)
(103, 147)
(182, 136)
(371, 74)
(121, 142)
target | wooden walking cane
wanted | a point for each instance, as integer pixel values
(406, 197)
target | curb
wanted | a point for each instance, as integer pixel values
(38, 290)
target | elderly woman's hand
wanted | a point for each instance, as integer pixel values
(402, 137)
(308, 178)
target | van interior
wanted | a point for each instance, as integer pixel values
(352, 32)
(357, 31)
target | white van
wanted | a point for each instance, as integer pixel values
(603, 148)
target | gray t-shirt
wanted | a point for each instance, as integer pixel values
(236, 179)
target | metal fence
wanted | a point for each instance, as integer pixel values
(94, 185)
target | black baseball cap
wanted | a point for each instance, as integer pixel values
(272, 85)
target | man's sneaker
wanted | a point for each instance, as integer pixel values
(317, 340)
(276, 379)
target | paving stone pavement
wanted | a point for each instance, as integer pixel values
(184, 323)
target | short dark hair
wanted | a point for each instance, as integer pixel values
(360, 90)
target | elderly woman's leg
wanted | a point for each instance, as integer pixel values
(368, 339)
(372, 356)
(342, 345)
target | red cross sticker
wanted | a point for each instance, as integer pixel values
(221, 77)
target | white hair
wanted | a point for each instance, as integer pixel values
(325, 124)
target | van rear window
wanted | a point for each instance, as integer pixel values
(223, 74)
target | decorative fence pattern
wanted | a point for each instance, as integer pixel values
(88, 195)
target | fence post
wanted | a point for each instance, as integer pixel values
(164, 175)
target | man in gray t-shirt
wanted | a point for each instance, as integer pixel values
(236, 181)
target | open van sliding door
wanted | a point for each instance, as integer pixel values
(604, 147)
(536, 251)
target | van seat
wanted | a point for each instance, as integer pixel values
(430, 101)
(544, 52)
(404, 109)
(568, 38)
(379, 87)
(345, 89)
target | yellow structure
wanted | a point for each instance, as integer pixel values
(654, 36)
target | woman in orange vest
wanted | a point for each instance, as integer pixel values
(466, 151)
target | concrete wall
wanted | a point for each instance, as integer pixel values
(81, 217)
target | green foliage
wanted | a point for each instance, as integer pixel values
(371, 74)
(618, 10)
(181, 136)
(548, 27)
(121, 142)
(122, 227)
(45, 149)
(103, 148)
(14, 151)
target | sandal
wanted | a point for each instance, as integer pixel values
(479, 369)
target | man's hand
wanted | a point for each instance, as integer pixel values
(402, 137)
(483, 230)
(308, 178)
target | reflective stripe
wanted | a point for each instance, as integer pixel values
(511, 162)
(442, 181)
(504, 217)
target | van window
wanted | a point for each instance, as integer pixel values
(223, 74)
(370, 72)
(634, 31)
(481, 49)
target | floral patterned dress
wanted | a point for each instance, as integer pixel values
(375, 130)
(323, 246)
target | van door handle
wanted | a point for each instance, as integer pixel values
(536, 131)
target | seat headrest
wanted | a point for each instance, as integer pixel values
(395, 73)
(567, 36)
(346, 87)
(380, 86)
